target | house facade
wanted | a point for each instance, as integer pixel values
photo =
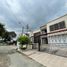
(43, 37)
(53, 34)
(57, 32)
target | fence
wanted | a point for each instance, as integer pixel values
(53, 46)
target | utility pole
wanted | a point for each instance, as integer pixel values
(27, 28)
(17, 20)
(22, 30)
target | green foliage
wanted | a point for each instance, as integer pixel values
(2, 30)
(23, 39)
(8, 36)
(12, 34)
(5, 35)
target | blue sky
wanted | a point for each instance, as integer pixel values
(32, 12)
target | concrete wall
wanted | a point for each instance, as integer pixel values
(35, 46)
(29, 47)
(44, 46)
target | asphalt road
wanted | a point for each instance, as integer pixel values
(15, 59)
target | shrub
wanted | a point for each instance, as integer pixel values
(23, 39)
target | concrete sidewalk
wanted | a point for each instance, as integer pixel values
(46, 59)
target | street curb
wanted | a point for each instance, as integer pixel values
(29, 57)
(24, 54)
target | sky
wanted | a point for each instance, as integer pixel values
(17, 13)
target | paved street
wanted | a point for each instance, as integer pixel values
(10, 58)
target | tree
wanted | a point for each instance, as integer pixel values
(5, 35)
(8, 36)
(23, 39)
(12, 34)
(2, 30)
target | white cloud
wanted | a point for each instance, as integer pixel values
(2, 19)
(32, 12)
(14, 5)
(65, 5)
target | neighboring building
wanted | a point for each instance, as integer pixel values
(31, 35)
(35, 38)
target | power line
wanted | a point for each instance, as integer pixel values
(20, 22)
(16, 18)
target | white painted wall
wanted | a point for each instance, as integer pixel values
(64, 18)
(58, 41)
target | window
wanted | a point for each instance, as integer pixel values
(51, 27)
(44, 31)
(44, 41)
(62, 25)
(57, 26)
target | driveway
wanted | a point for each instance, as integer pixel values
(11, 58)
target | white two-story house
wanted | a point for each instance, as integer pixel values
(57, 32)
